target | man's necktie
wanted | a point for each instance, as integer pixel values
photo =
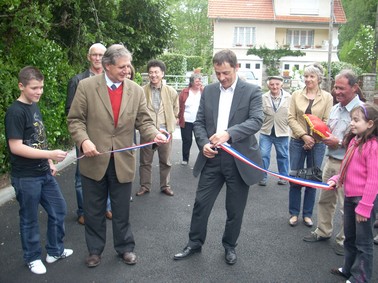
(113, 87)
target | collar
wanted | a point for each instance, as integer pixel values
(231, 88)
(109, 83)
(355, 101)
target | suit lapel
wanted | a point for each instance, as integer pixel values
(103, 94)
(238, 93)
(125, 97)
(215, 102)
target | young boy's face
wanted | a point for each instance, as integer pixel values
(31, 92)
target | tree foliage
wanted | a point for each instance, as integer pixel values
(55, 35)
(360, 49)
(193, 35)
(271, 57)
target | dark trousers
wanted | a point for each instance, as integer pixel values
(95, 194)
(358, 243)
(217, 171)
(187, 139)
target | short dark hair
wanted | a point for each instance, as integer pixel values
(156, 63)
(225, 56)
(29, 73)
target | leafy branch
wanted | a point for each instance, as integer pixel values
(271, 57)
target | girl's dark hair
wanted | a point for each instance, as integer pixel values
(369, 112)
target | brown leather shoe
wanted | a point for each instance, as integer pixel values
(109, 215)
(80, 220)
(93, 260)
(129, 258)
(142, 191)
(168, 191)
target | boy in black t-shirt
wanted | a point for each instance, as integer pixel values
(32, 173)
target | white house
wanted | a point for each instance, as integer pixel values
(300, 24)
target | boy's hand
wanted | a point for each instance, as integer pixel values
(58, 155)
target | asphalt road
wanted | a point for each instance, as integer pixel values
(269, 250)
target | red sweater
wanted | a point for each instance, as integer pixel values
(115, 100)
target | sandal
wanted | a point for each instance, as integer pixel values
(293, 221)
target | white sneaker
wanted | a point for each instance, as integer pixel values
(37, 267)
(65, 253)
(184, 162)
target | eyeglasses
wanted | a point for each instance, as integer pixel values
(97, 55)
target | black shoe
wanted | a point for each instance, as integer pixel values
(338, 271)
(230, 256)
(188, 251)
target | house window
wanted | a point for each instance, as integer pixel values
(287, 67)
(248, 66)
(244, 36)
(257, 66)
(300, 38)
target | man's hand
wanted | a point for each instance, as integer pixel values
(218, 138)
(160, 139)
(208, 150)
(89, 149)
(331, 141)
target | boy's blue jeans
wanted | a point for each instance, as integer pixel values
(30, 192)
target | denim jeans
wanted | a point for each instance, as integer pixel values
(281, 144)
(298, 156)
(30, 192)
(358, 243)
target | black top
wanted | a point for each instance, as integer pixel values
(24, 122)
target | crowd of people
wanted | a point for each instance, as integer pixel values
(105, 108)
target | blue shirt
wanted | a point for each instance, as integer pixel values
(338, 123)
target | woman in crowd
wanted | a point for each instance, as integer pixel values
(189, 100)
(303, 146)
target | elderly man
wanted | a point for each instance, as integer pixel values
(275, 129)
(345, 91)
(162, 104)
(104, 113)
(94, 56)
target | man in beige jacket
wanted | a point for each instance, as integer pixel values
(104, 113)
(162, 104)
(275, 129)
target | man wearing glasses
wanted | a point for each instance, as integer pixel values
(94, 56)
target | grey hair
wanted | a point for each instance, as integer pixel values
(193, 77)
(114, 52)
(96, 45)
(316, 69)
(349, 75)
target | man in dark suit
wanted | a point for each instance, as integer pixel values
(239, 106)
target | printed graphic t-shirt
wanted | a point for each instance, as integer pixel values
(24, 122)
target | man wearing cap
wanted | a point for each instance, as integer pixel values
(275, 129)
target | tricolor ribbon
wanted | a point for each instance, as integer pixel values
(134, 146)
(303, 182)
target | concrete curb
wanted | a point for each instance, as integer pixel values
(8, 193)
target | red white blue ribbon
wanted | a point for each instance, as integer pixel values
(303, 182)
(169, 137)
